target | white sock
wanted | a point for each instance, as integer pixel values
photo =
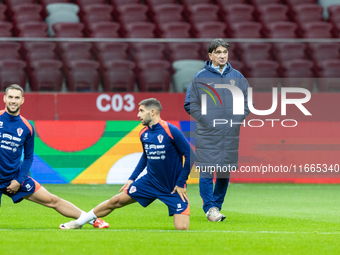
(86, 217)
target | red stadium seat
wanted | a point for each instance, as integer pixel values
(154, 75)
(254, 51)
(68, 29)
(106, 51)
(281, 29)
(39, 50)
(5, 29)
(167, 13)
(237, 65)
(119, 75)
(182, 51)
(46, 75)
(104, 29)
(235, 13)
(9, 50)
(154, 3)
(304, 13)
(317, 29)
(298, 73)
(263, 75)
(32, 29)
(289, 51)
(96, 13)
(148, 50)
(202, 12)
(116, 3)
(11, 3)
(139, 30)
(129, 13)
(23, 13)
(272, 12)
(175, 30)
(222, 3)
(210, 29)
(334, 13)
(12, 72)
(83, 75)
(329, 75)
(3, 9)
(246, 30)
(190, 2)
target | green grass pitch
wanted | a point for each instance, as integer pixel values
(261, 219)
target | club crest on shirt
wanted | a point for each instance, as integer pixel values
(1, 124)
(20, 131)
(133, 189)
(160, 138)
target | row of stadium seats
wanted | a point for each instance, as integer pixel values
(169, 19)
(118, 67)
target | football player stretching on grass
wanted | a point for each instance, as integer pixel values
(16, 134)
(164, 147)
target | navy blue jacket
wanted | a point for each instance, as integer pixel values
(16, 134)
(216, 144)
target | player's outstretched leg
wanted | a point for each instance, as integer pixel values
(100, 210)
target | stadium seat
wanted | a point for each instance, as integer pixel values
(222, 3)
(62, 7)
(9, 50)
(154, 75)
(129, 13)
(167, 13)
(5, 29)
(11, 3)
(32, 29)
(317, 29)
(329, 75)
(104, 29)
(263, 75)
(119, 75)
(68, 29)
(38, 50)
(3, 9)
(12, 72)
(209, 29)
(254, 51)
(96, 13)
(289, 51)
(334, 13)
(298, 73)
(185, 70)
(74, 50)
(272, 12)
(235, 13)
(281, 29)
(175, 30)
(183, 51)
(237, 65)
(25, 13)
(198, 13)
(148, 50)
(304, 13)
(106, 51)
(83, 3)
(61, 17)
(83, 75)
(139, 30)
(191, 2)
(154, 3)
(46, 75)
(246, 30)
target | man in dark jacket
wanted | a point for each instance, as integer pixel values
(217, 99)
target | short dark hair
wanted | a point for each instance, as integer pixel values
(216, 43)
(15, 86)
(151, 102)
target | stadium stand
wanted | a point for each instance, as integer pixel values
(173, 19)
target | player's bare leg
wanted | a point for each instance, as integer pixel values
(115, 202)
(181, 221)
(65, 208)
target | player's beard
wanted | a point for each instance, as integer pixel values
(13, 112)
(147, 120)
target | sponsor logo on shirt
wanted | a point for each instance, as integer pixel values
(7, 136)
(16, 139)
(28, 187)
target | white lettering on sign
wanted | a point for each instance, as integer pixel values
(117, 102)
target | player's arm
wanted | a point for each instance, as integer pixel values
(185, 149)
(28, 158)
(140, 167)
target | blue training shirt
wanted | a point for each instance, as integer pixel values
(16, 134)
(164, 147)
